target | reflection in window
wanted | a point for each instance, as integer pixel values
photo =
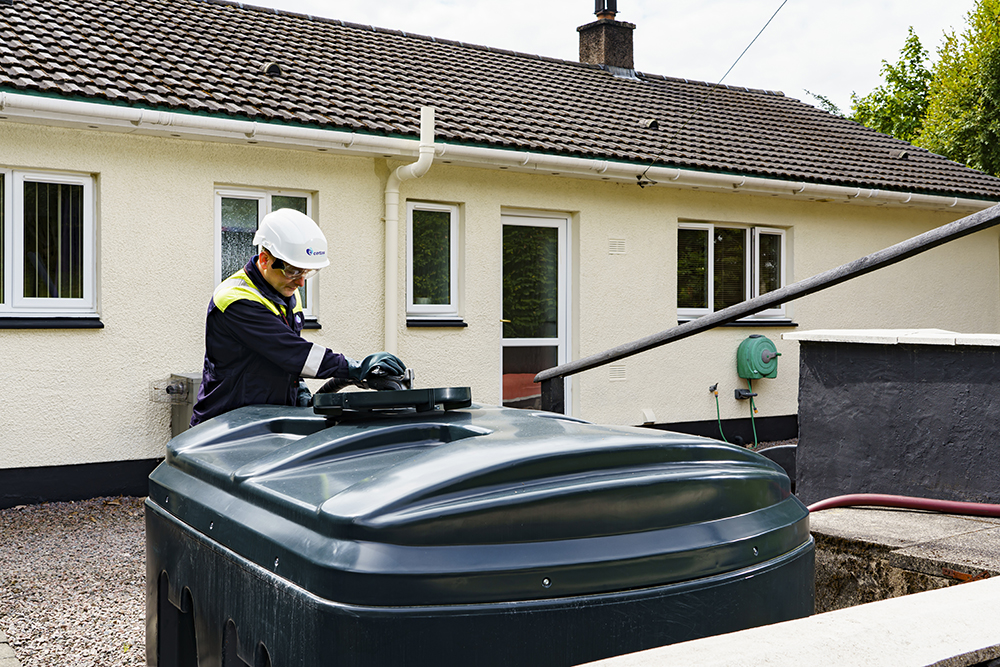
(431, 257)
(530, 282)
(692, 268)
(770, 262)
(432, 260)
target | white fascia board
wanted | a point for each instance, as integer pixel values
(108, 117)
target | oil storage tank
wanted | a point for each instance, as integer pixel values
(457, 534)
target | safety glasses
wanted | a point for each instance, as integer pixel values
(291, 272)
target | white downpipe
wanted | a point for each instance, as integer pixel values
(34, 109)
(400, 174)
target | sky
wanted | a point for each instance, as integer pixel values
(828, 47)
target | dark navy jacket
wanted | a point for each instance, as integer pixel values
(254, 353)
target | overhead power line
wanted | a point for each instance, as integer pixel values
(641, 178)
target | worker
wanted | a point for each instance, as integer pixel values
(254, 353)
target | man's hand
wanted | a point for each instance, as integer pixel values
(381, 364)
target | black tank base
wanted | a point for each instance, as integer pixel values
(208, 607)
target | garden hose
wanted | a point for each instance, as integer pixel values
(753, 409)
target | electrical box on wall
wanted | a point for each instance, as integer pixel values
(756, 358)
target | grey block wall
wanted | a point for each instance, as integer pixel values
(906, 419)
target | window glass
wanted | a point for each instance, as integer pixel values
(431, 238)
(692, 268)
(285, 201)
(53, 240)
(530, 284)
(739, 263)
(730, 267)
(432, 260)
(239, 224)
(770, 262)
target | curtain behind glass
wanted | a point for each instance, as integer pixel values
(53, 240)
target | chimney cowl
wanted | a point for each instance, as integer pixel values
(606, 9)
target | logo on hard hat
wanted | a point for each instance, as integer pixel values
(311, 252)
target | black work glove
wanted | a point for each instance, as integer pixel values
(303, 397)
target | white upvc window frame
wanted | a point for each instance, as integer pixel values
(449, 311)
(14, 302)
(264, 206)
(751, 264)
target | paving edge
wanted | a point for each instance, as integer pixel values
(948, 627)
(7, 657)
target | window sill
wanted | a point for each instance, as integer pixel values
(50, 322)
(776, 323)
(311, 324)
(435, 322)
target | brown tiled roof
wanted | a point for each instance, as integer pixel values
(207, 56)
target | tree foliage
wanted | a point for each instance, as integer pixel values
(898, 107)
(963, 113)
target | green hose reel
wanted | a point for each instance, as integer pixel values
(756, 358)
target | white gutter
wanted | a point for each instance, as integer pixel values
(403, 173)
(50, 111)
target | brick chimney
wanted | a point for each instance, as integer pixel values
(606, 41)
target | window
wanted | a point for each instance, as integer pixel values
(237, 214)
(47, 244)
(432, 261)
(718, 267)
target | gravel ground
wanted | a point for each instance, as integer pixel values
(72, 583)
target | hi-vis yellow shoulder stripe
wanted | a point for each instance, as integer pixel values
(238, 286)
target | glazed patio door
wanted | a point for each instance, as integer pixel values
(534, 305)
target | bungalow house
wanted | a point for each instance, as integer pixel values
(558, 209)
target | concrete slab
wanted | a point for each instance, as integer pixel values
(894, 528)
(951, 627)
(7, 657)
(865, 554)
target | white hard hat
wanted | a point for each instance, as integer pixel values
(293, 237)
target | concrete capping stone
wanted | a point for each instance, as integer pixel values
(894, 337)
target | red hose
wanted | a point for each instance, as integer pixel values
(908, 502)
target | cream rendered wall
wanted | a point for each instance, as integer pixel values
(619, 298)
(78, 396)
